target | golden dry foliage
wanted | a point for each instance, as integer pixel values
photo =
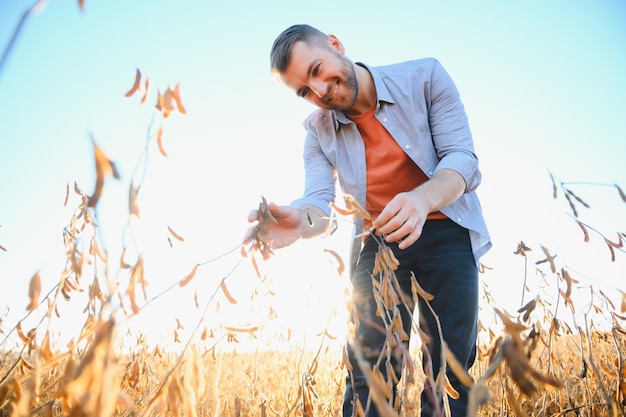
(539, 364)
(261, 240)
(34, 290)
(167, 103)
(543, 360)
(104, 168)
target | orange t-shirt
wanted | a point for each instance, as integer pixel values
(389, 169)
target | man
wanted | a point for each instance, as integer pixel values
(398, 141)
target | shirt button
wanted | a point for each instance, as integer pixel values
(385, 120)
(458, 220)
(407, 146)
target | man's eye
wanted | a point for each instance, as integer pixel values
(316, 70)
(304, 92)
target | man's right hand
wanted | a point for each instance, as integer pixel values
(275, 232)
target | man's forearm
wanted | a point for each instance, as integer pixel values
(442, 189)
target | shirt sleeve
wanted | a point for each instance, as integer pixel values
(319, 177)
(450, 129)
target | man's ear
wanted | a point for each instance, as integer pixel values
(335, 44)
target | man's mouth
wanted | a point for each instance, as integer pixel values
(332, 94)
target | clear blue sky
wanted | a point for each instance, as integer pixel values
(543, 84)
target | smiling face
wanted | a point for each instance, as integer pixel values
(322, 75)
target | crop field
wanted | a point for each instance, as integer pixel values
(553, 356)
(80, 347)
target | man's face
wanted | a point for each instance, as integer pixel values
(322, 75)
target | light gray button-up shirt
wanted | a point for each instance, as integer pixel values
(420, 106)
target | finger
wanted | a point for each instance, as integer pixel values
(279, 211)
(396, 227)
(381, 221)
(412, 237)
(253, 215)
(409, 240)
(390, 219)
(249, 235)
(398, 234)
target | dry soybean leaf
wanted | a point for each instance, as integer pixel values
(261, 234)
(189, 277)
(341, 266)
(166, 103)
(160, 103)
(242, 329)
(513, 401)
(179, 103)
(147, 89)
(176, 235)
(608, 371)
(178, 324)
(549, 258)
(46, 353)
(255, 265)
(571, 204)
(160, 142)
(518, 367)
(133, 206)
(67, 193)
(482, 268)
(377, 266)
(25, 364)
(136, 277)
(612, 252)
(619, 244)
(607, 299)
(136, 84)
(528, 308)
(77, 189)
(454, 394)
(568, 281)
(417, 289)
(545, 379)
(621, 193)
(353, 204)
(391, 259)
(20, 333)
(514, 328)
(227, 293)
(104, 168)
(343, 212)
(34, 290)
(554, 188)
(522, 249)
(123, 263)
(330, 336)
(580, 200)
(584, 229)
(457, 368)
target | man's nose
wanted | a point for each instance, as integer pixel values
(318, 88)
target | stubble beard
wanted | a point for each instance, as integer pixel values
(351, 84)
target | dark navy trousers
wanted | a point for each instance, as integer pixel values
(443, 264)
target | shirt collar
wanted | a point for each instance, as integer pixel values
(382, 93)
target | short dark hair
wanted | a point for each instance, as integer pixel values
(280, 55)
